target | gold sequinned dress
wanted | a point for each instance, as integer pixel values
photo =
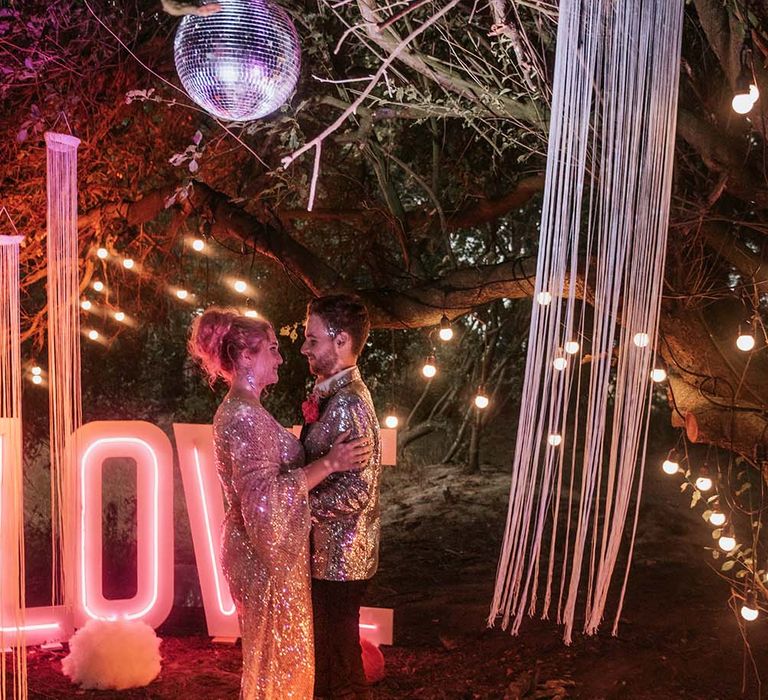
(265, 549)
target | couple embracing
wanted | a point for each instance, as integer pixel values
(301, 532)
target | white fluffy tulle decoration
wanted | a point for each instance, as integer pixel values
(113, 655)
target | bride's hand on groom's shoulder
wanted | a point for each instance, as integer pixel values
(349, 455)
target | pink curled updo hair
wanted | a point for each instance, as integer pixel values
(218, 336)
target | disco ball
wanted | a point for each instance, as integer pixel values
(240, 63)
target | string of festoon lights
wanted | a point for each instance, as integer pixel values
(725, 533)
(36, 374)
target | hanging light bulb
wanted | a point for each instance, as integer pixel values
(128, 263)
(182, 293)
(704, 481)
(742, 101)
(98, 285)
(559, 363)
(554, 439)
(746, 92)
(658, 375)
(251, 313)
(544, 298)
(727, 539)
(37, 371)
(671, 465)
(198, 244)
(481, 398)
(93, 334)
(102, 253)
(717, 517)
(37, 379)
(429, 369)
(749, 610)
(119, 316)
(642, 340)
(571, 347)
(745, 342)
(446, 332)
(240, 286)
(391, 421)
(85, 305)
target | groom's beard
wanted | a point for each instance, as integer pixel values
(323, 365)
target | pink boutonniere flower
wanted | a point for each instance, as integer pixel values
(310, 408)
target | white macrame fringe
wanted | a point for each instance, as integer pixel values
(12, 593)
(63, 352)
(603, 240)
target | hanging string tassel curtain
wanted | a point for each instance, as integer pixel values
(13, 685)
(63, 352)
(581, 440)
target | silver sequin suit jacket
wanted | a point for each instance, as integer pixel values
(345, 507)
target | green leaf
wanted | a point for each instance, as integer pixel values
(695, 498)
(705, 515)
(716, 533)
(728, 565)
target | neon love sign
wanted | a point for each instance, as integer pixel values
(152, 452)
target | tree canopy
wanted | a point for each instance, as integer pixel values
(427, 194)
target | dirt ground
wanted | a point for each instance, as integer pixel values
(679, 638)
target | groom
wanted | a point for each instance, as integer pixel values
(345, 507)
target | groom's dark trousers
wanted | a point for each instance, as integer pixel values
(339, 673)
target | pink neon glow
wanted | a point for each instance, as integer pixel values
(155, 529)
(31, 628)
(209, 536)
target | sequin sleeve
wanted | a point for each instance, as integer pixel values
(345, 493)
(273, 503)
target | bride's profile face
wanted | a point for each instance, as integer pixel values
(260, 364)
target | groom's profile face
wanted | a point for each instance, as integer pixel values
(319, 347)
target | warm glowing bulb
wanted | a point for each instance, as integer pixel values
(119, 316)
(559, 363)
(749, 609)
(85, 305)
(745, 342)
(429, 370)
(658, 375)
(128, 263)
(391, 421)
(749, 614)
(555, 440)
(182, 293)
(717, 518)
(481, 401)
(544, 298)
(571, 347)
(251, 313)
(198, 244)
(670, 467)
(37, 370)
(37, 379)
(93, 335)
(240, 286)
(446, 332)
(98, 285)
(727, 543)
(103, 253)
(641, 340)
(704, 483)
(742, 103)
